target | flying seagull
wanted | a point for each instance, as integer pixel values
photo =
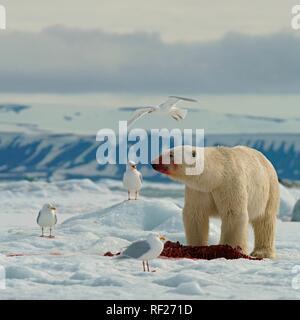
(47, 218)
(145, 250)
(132, 179)
(168, 107)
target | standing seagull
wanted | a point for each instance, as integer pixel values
(132, 179)
(145, 250)
(168, 107)
(47, 218)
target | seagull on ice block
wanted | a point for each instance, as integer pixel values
(145, 250)
(132, 179)
(47, 218)
(168, 107)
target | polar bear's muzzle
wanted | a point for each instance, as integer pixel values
(162, 168)
(165, 164)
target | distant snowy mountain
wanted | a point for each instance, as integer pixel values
(54, 157)
(15, 108)
(81, 116)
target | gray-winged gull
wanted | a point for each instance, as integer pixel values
(168, 107)
(47, 218)
(145, 250)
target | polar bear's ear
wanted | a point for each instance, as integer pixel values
(194, 153)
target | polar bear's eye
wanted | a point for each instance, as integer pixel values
(194, 153)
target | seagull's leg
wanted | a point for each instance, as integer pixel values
(136, 195)
(42, 236)
(144, 266)
(148, 268)
(51, 236)
(128, 195)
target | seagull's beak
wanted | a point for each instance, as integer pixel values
(53, 208)
(162, 238)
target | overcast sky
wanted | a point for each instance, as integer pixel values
(158, 46)
(188, 20)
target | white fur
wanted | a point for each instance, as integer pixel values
(238, 185)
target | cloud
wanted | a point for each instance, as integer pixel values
(61, 60)
(174, 20)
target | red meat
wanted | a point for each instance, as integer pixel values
(177, 250)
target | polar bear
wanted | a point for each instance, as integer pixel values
(238, 185)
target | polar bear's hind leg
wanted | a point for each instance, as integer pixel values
(265, 226)
(264, 231)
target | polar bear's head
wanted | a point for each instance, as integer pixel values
(180, 163)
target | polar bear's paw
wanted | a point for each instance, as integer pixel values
(264, 253)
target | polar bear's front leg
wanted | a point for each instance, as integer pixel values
(196, 213)
(234, 230)
(196, 227)
(232, 207)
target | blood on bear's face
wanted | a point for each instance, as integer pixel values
(166, 163)
(166, 169)
(176, 163)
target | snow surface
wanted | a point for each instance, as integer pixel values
(95, 218)
(296, 212)
(287, 202)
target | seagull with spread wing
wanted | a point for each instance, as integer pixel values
(168, 107)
